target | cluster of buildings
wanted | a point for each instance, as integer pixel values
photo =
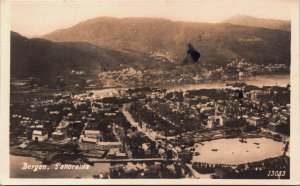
(96, 126)
(239, 69)
(68, 119)
(162, 56)
(177, 112)
(75, 80)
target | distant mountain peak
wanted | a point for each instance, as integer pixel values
(246, 20)
(239, 15)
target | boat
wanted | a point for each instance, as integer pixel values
(46, 162)
(46, 159)
(242, 140)
(196, 154)
(239, 84)
(88, 161)
(214, 149)
(236, 84)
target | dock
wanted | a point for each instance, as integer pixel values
(94, 160)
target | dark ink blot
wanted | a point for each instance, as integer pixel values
(239, 95)
(192, 56)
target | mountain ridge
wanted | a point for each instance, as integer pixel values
(220, 43)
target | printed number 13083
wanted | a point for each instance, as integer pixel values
(276, 173)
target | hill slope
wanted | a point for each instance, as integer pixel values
(259, 22)
(45, 59)
(218, 43)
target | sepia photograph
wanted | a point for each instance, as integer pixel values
(128, 89)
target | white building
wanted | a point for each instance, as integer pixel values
(254, 121)
(39, 136)
(92, 134)
(214, 121)
(95, 110)
(109, 145)
(85, 143)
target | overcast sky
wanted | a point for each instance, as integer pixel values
(34, 18)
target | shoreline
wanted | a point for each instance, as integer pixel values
(175, 86)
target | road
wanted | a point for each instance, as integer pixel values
(164, 118)
(128, 151)
(134, 123)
